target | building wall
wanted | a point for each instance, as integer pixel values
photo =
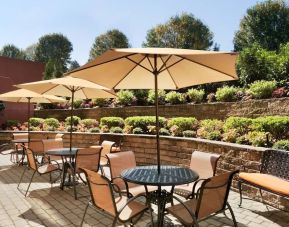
(15, 71)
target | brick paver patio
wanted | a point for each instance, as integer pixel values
(49, 206)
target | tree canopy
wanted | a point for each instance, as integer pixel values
(54, 50)
(111, 39)
(181, 31)
(11, 51)
(266, 24)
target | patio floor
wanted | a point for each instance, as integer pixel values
(49, 206)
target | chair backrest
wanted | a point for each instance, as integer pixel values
(214, 194)
(36, 146)
(276, 163)
(100, 191)
(88, 158)
(119, 162)
(52, 144)
(106, 147)
(18, 136)
(32, 164)
(204, 163)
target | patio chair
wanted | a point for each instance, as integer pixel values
(40, 169)
(49, 144)
(205, 165)
(122, 208)
(213, 199)
(119, 162)
(18, 149)
(87, 158)
(106, 149)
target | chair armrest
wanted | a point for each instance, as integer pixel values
(126, 186)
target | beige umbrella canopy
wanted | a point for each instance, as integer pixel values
(154, 68)
(26, 96)
(70, 87)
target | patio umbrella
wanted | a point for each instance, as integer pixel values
(26, 96)
(69, 87)
(154, 68)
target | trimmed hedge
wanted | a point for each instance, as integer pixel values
(112, 122)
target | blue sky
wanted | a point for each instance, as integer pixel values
(23, 22)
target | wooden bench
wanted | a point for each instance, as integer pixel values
(273, 176)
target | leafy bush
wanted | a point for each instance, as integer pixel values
(89, 123)
(77, 103)
(226, 94)
(210, 129)
(241, 125)
(141, 96)
(74, 128)
(174, 97)
(183, 123)
(144, 121)
(211, 97)
(196, 95)
(94, 130)
(75, 120)
(164, 132)
(51, 124)
(127, 129)
(282, 144)
(262, 89)
(125, 97)
(101, 102)
(12, 123)
(231, 136)
(36, 122)
(189, 133)
(161, 96)
(115, 130)
(104, 128)
(137, 130)
(175, 131)
(32, 128)
(112, 122)
(257, 138)
(152, 129)
(278, 126)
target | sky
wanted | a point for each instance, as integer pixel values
(22, 23)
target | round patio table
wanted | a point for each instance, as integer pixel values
(169, 176)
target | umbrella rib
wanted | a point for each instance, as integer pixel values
(147, 56)
(172, 65)
(54, 85)
(206, 66)
(128, 72)
(164, 63)
(138, 63)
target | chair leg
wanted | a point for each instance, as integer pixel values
(21, 176)
(74, 186)
(30, 183)
(84, 214)
(240, 192)
(232, 214)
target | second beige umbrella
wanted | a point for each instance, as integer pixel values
(23, 95)
(70, 87)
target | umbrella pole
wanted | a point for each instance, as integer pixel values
(71, 119)
(28, 122)
(157, 115)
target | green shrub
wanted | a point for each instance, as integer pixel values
(189, 133)
(127, 129)
(36, 122)
(183, 123)
(226, 94)
(112, 122)
(231, 135)
(125, 97)
(161, 96)
(104, 128)
(282, 144)
(137, 130)
(75, 120)
(141, 96)
(144, 121)
(262, 89)
(115, 130)
(77, 103)
(94, 130)
(175, 131)
(12, 123)
(174, 97)
(32, 128)
(89, 123)
(278, 126)
(101, 102)
(210, 129)
(196, 95)
(240, 124)
(51, 124)
(256, 138)
(74, 128)
(164, 132)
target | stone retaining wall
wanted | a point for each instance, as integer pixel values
(252, 108)
(174, 151)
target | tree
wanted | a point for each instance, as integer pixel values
(30, 52)
(11, 51)
(73, 65)
(184, 31)
(54, 50)
(111, 39)
(266, 24)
